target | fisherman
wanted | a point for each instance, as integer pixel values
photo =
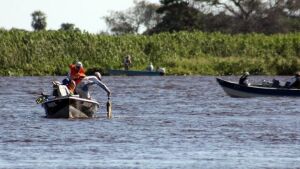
(150, 67)
(244, 79)
(83, 87)
(127, 62)
(77, 72)
(161, 70)
(294, 82)
(75, 75)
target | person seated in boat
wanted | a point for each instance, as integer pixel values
(294, 82)
(127, 62)
(75, 75)
(83, 87)
(276, 83)
(150, 67)
(161, 70)
(244, 79)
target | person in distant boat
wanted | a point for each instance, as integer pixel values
(244, 79)
(161, 70)
(127, 62)
(75, 75)
(294, 82)
(150, 67)
(83, 87)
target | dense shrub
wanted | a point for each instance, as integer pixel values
(50, 52)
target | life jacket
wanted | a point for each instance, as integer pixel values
(76, 75)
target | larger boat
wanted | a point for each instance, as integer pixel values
(234, 89)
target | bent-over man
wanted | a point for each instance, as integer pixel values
(83, 87)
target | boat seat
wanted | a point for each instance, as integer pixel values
(63, 90)
(60, 90)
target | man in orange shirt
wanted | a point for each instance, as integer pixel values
(75, 75)
(77, 72)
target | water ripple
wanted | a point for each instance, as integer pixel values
(159, 122)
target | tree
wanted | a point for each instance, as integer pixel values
(293, 7)
(244, 12)
(133, 20)
(68, 27)
(148, 17)
(178, 15)
(267, 16)
(38, 20)
(120, 23)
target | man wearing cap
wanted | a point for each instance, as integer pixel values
(83, 87)
(127, 62)
(75, 75)
(244, 79)
(77, 72)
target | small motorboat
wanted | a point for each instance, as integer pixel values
(61, 104)
(136, 72)
(70, 107)
(234, 89)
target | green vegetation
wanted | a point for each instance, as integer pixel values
(50, 52)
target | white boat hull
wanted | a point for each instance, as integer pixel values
(70, 107)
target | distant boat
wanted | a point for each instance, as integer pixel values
(234, 89)
(135, 73)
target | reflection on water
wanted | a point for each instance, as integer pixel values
(159, 122)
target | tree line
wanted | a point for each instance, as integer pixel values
(226, 16)
(39, 22)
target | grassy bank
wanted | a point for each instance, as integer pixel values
(50, 52)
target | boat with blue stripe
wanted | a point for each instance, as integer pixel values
(135, 73)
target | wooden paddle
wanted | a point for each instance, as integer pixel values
(108, 108)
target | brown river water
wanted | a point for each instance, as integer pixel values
(183, 122)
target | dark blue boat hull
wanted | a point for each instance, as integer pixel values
(133, 73)
(236, 90)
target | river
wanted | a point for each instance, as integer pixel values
(183, 122)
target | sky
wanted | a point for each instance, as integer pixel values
(85, 14)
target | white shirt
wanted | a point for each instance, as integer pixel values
(86, 82)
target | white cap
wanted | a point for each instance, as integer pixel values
(78, 64)
(98, 75)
